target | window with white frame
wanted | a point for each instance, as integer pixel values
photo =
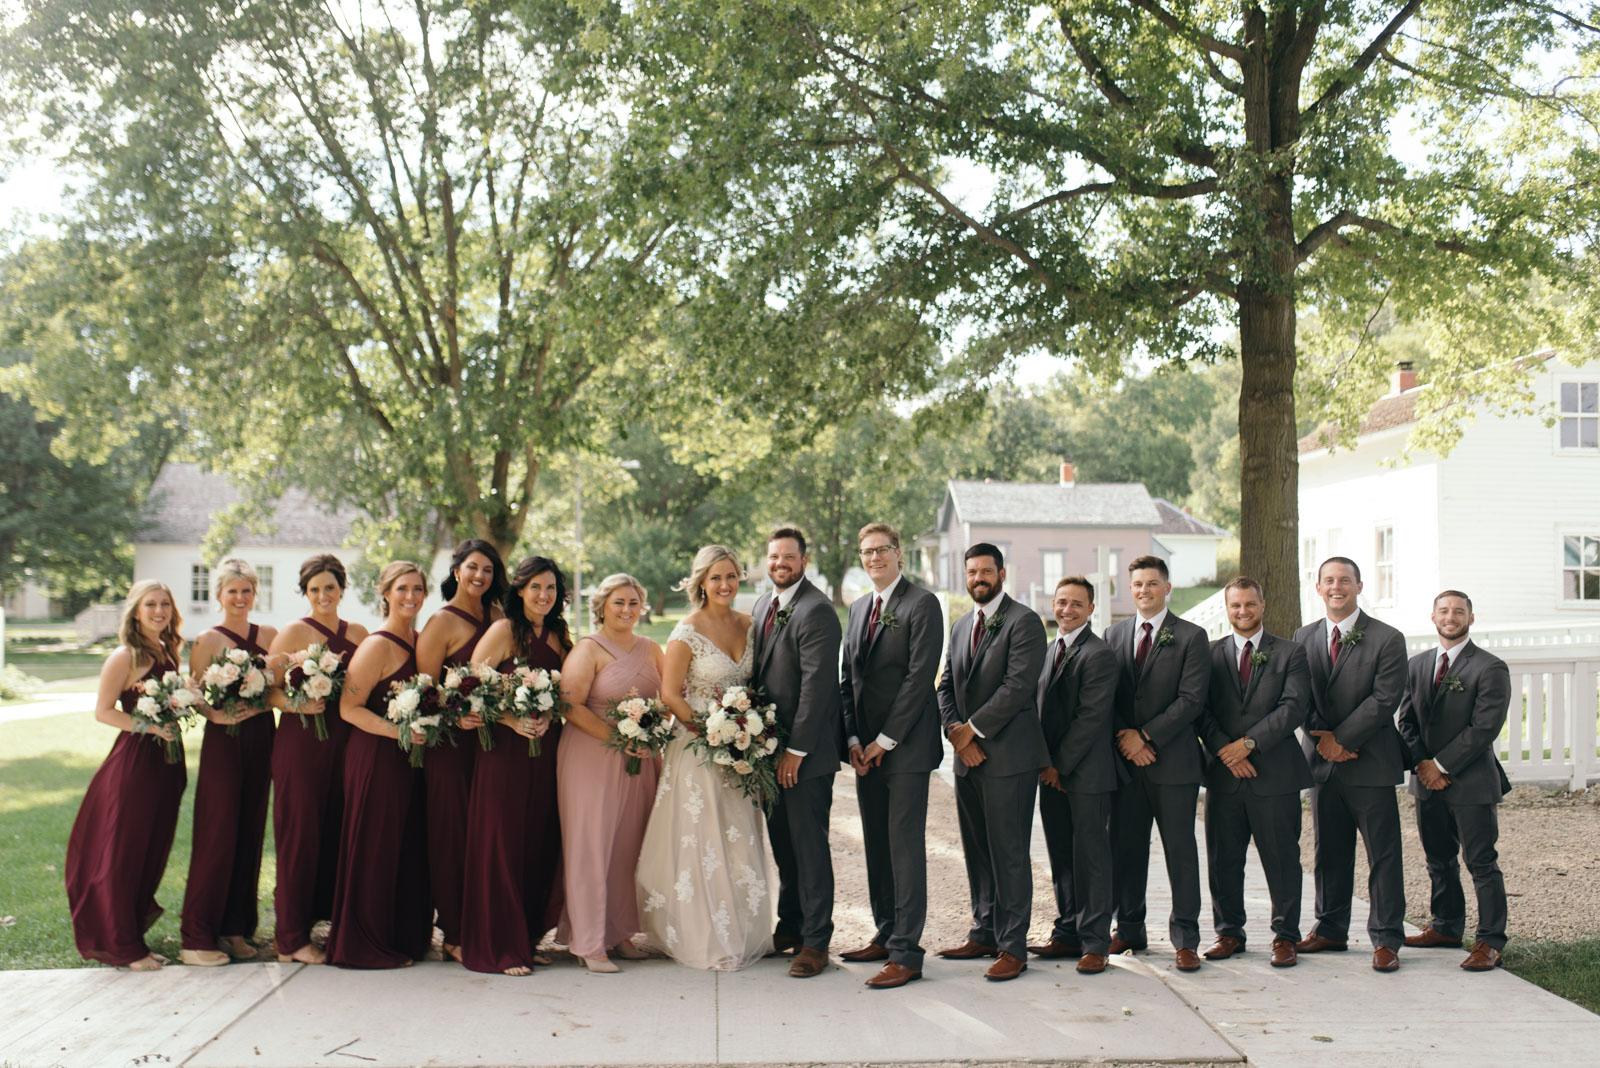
(199, 584)
(1383, 559)
(1579, 415)
(1580, 568)
(1053, 568)
(264, 588)
(1308, 561)
(1114, 580)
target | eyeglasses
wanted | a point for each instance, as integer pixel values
(878, 550)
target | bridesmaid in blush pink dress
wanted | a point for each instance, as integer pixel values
(604, 809)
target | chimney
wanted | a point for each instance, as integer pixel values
(1404, 377)
(1068, 475)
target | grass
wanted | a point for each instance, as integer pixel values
(52, 667)
(45, 768)
(1570, 969)
(1186, 597)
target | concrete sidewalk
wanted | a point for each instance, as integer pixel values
(1331, 1010)
(48, 704)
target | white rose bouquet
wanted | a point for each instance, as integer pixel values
(740, 734)
(416, 706)
(639, 723)
(536, 694)
(314, 674)
(235, 679)
(469, 688)
(165, 702)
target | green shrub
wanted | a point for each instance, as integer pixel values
(15, 684)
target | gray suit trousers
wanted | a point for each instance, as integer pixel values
(1338, 811)
(1170, 807)
(996, 817)
(798, 829)
(894, 823)
(1077, 834)
(1274, 821)
(1470, 831)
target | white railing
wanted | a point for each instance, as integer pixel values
(96, 622)
(1210, 615)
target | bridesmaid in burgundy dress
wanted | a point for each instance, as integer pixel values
(118, 848)
(382, 915)
(513, 832)
(230, 794)
(472, 590)
(307, 774)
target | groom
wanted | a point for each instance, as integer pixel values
(797, 665)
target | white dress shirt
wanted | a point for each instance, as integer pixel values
(1155, 622)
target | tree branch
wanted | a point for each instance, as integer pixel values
(1342, 85)
(1328, 230)
(1190, 33)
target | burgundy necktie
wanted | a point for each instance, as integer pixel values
(977, 631)
(872, 620)
(1144, 647)
(1244, 666)
(1333, 649)
(1061, 654)
(1444, 666)
(772, 617)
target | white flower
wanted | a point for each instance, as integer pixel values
(754, 725)
(743, 767)
(545, 702)
(427, 721)
(772, 714)
(171, 679)
(318, 687)
(539, 679)
(770, 745)
(254, 683)
(182, 698)
(628, 728)
(723, 757)
(742, 740)
(715, 721)
(147, 707)
(151, 687)
(408, 701)
(328, 662)
(230, 673)
(238, 656)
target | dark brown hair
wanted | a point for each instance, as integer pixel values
(1153, 563)
(316, 565)
(1078, 580)
(984, 548)
(1345, 560)
(1453, 593)
(788, 532)
(1244, 582)
(555, 621)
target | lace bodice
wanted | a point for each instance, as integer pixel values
(711, 669)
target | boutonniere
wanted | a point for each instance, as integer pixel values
(1451, 684)
(992, 624)
(1352, 637)
(887, 619)
(1260, 657)
(784, 613)
(1163, 637)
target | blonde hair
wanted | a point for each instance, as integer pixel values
(233, 568)
(132, 635)
(393, 573)
(704, 560)
(879, 528)
(609, 584)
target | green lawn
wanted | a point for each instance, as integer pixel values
(51, 667)
(1571, 969)
(1186, 597)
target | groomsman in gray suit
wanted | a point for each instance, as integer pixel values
(891, 655)
(797, 664)
(1260, 690)
(1456, 700)
(1358, 675)
(986, 701)
(1165, 668)
(1077, 703)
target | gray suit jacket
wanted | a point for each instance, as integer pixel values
(994, 687)
(1268, 710)
(1164, 700)
(886, 685)
(1077, 705)
(797, 667)
(1356, 699)
(1458, 728)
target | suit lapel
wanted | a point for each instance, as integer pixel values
(888, 606)
(1267, 644)
(988, 636)
(1346, 650)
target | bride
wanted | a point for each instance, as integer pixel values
(703, 890)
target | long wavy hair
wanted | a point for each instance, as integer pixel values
(497, 586)
(130, 634)
(555, 622)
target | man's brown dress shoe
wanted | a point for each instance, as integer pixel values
(1224, 947)
(808, 962)
(866, 954)
(1188, 960)
(1385, 959)
(1006, 967)
(968, 950)
(1317, 944)
(1091, 964)
(1483, 958)
(782, 944)
(1430, 938)
(1283, 954)
(1118, 946)
(891, 976)
(1053, 949)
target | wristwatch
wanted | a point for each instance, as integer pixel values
(1249, 743)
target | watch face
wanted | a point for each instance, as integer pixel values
(1249, 743)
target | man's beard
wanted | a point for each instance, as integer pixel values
(794, 576)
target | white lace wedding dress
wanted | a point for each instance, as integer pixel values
(704, 893)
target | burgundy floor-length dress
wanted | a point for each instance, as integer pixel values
(307, 807)
(118, 848)
(604, 811)
(230, 824)
(382, 913)
(513, 844)
(449, 774)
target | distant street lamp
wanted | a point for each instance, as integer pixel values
(577, 523)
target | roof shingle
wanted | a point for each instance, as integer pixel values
(1083, 504)
(179, 509)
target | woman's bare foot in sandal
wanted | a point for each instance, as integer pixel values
(306, 954)
(541, 960)
(453, 952)
(600, 965)
(519, 970)
(152, 963)
(237, 947)
(629, 951)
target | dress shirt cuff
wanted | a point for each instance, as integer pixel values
(852, 742)
(1442, 769)
(885, 742)
(975, 729)
(796, 752)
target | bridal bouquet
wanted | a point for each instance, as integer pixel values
(469, 688)
(165, 702)
(314, 674)
(235, 679)
(415, 706)
(639, 723)
(739, 733)
(535, 692)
